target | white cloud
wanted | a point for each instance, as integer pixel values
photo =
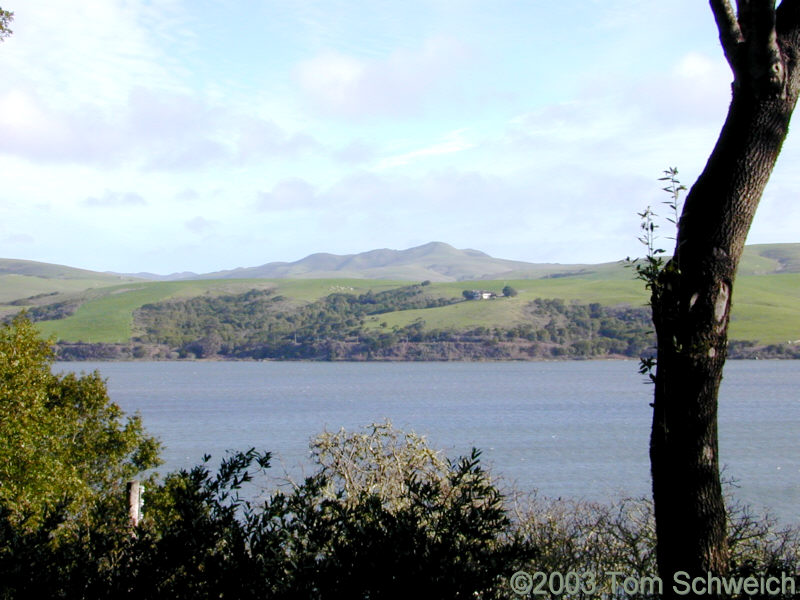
(187, 195)
(101, 83)
(200, 225)
(258, 138)
(401, 84)
(695, 91)
(87, 52)
(153, 129)
(18, 238)
(355, 152)
(289, 194)
(455, 141)
(115, 199)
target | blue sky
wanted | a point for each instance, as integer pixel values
(171, 135)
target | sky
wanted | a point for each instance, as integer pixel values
(200, 135)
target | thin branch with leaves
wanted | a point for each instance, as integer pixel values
(650, 268)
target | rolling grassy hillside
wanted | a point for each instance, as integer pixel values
(107, 314)
(762, 259)
(31, 268)
(766, 303)
(25, 278)
(766, 307)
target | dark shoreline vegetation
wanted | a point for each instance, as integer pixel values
(467, 351)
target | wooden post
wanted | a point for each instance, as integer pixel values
(135, 492)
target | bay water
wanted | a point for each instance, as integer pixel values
(577, 429)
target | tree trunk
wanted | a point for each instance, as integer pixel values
(692, 299)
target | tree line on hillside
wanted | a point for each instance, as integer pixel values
(262, 325)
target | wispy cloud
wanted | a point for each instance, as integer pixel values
(402, 84)
(115, 199)
(154, 129)
(88, 52)
(289, 194)
(455, 141)
(18, 238)
(200, 225)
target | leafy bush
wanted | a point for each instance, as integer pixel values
(445, 539)
(63, 443)
(383, 516)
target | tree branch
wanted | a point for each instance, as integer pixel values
(730, 35)
(788, 18)
(788, 28)
(765, 68)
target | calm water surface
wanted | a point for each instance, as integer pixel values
(570, 429)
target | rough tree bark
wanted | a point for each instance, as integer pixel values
(692, 298)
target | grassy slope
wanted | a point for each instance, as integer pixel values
(785, 258)
(504, 312)
(766, 307)
(52, 271)
(108, 314)
(13, 286)
(108, 318)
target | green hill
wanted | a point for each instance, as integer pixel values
(30, 268)
(106, 315)
(764, 259)
(78, 305)
(20, 279)
(766, 307)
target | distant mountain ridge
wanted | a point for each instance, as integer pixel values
(32, 268)
(434, 261)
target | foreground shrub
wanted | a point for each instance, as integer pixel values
(443, 536)
(383, 516)
(63, 443)
(619, 537)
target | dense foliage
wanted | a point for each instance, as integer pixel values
(258, 324)
(444, 535)
(47, 312)
(246, 323)
(62, 440)
(383, 516)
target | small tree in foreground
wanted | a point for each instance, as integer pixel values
(63, 443)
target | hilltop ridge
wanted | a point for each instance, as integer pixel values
(434, 261)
